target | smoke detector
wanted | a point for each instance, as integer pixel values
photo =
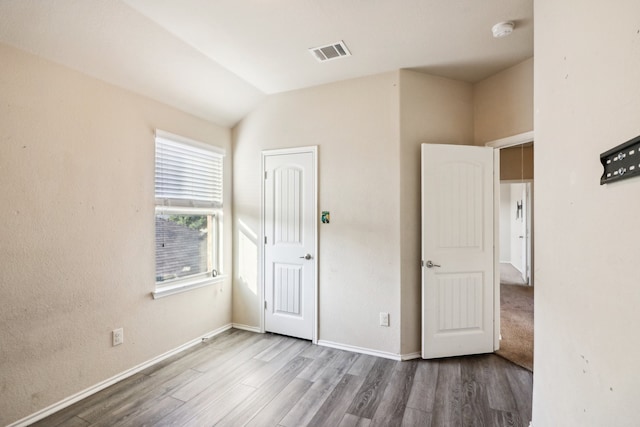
(502, 29)
(330, 51)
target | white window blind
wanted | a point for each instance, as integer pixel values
(188, 173)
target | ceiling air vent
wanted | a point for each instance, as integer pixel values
(330, 51)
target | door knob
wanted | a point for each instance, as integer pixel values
(430, 264)
(307, 256)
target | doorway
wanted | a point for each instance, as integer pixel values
(517, 240)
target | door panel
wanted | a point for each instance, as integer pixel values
(459, 217)
(287, 205)
(287, 290)
(460, 307)
(290, 243)
(458, 240)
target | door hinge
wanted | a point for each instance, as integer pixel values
(265, 304)
(421, 263)
(265, 240)
(265, 174)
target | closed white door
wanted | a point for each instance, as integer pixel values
(458, 287)
(290, 260)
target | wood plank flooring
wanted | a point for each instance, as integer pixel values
(240, 378)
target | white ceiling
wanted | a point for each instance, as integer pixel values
(218, 58)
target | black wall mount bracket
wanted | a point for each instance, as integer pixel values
(621, 162)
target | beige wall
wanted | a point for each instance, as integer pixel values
(587, 288)
(76, 158)
(503, 104)
(354, 123)
(516, 162)
(77, 233)
(432, 110)
(369, 132)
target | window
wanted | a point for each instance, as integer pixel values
(188, 197)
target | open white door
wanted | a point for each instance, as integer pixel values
(524, 238)
(528, 211)
(518, 227)
(458, 287)
(290, 242)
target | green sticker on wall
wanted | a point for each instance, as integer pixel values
(326, 217)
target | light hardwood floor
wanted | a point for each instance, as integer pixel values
(241, 378)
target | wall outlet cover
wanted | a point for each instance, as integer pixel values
(384, 319)
(117, 336)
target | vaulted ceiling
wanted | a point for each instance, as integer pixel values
(218, 58)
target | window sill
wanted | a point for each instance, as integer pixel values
(178, 288)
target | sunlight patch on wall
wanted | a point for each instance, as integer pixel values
(248, 257)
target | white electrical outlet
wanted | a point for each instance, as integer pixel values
(384, 319)
(118, 336)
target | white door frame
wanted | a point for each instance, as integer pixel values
(261, 290)
(510, 141)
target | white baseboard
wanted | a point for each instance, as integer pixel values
(255, 329)
(370, 352)
(324, 343)
(64, 403)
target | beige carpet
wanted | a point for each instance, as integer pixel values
(516, 324)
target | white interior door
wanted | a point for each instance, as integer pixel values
(290, 242)
(458, 287)
(518, 227)
(528, 211)
(524, 234)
